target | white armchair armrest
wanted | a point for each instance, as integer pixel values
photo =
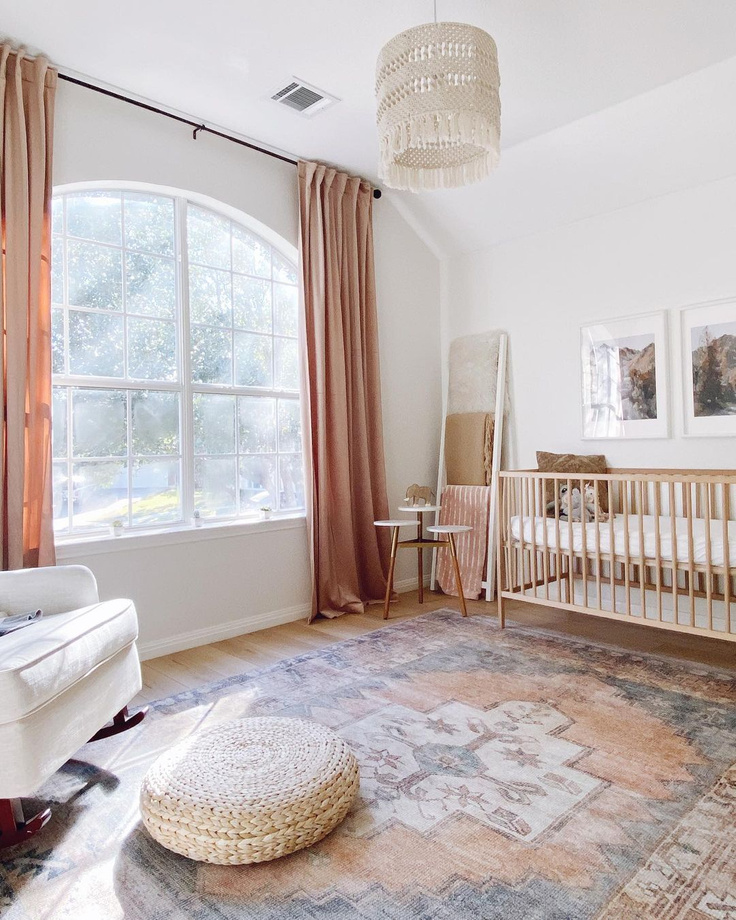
(53, 589)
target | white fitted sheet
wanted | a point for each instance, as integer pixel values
(648, 522)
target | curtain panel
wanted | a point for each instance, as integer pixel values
(27, 91)
(344, 459)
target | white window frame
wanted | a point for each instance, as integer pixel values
(185, 387)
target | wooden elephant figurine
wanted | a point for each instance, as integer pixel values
(419, 495)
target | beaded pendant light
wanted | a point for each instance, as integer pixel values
(439, 111)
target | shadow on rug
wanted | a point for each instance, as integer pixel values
(513, 774)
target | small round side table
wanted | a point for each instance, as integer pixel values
(420, 541)
(394, 525)
(450, 530)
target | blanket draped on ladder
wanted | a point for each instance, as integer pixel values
(465, 505)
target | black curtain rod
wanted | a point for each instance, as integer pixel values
(185, 121)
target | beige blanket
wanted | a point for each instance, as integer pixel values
(469, 448)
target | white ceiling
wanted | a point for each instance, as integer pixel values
(560, 60)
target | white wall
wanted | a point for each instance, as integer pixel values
(409, 305)
(663, 253)
(194, 590)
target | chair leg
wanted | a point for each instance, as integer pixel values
(456, 566)
(121, 722)
(392, 564)
(13, 826)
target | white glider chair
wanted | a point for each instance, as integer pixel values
(61, 679)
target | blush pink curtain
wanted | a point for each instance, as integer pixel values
(346, 476)
(27, 90)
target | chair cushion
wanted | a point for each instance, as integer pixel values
(44, 659)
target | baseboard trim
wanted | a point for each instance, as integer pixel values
(220, 631)
(409, 584)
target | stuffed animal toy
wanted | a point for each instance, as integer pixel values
(419, 495)
(577, 506)
(589, 502)
(571, 505)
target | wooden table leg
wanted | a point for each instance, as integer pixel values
(420, 558)
(390, 582)
(458, 581)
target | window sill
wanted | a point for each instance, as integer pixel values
(71, 547)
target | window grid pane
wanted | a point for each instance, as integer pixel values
(255, 329)
(117, 311)
(122, 458)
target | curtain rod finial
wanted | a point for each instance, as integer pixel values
(377, 192)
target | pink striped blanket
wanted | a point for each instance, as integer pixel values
(465, 505)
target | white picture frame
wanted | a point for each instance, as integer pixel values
(613, 353)
(708, 352)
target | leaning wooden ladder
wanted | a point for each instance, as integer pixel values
(489, 583)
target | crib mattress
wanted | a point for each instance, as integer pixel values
(648, 523)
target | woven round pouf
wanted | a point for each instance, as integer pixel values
(249, 791)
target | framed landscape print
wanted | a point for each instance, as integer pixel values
(624, 378)
(708, 336)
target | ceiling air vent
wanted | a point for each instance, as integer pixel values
(302, 98)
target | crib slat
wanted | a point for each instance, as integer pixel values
(708, 560)
(503, 538)
(570, 556)
(642, 566)
(658, 547)
(500, 550)
(507, 514)
(520, 552)
(507, 519)
(545, 560)
(527, 555)
(598, 560)
(687, 488)
(511, 512)
(673, 526)
(514, 551)
(558, 556)
(699, 516)
(533, 516)
(713, 498)
(584, 533)
(627, 554)
(612, 544)
(726, 503)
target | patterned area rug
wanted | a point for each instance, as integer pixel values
(514, 774)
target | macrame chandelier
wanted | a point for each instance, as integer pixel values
(439, 111)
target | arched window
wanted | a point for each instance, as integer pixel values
(176, 377)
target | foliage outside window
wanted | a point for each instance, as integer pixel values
(175, 364)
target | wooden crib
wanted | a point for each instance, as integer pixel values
(665, 556)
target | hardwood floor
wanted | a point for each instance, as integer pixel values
(184, 670)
